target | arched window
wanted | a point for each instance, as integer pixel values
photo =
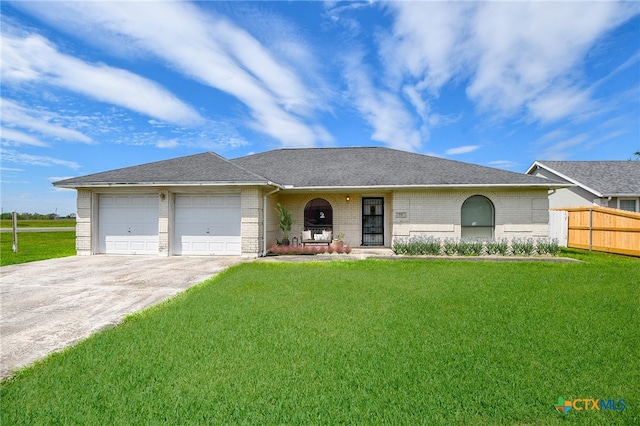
(318, 215)
(478, 217)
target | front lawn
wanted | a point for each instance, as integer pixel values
(34, 246)
(358, 342)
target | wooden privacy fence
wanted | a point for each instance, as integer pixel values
(603, 229)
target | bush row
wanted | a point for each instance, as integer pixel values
(307, 250)
(476, 247)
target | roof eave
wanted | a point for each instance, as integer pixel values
(565, 177)
(427, 186)
(159, 184)
(623, 195)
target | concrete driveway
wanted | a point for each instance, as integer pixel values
(48, 305)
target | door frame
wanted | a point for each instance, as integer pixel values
(363, 222)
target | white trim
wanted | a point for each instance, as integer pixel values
(162, 184)
(426, 186)
(565, 177)
(313, 188)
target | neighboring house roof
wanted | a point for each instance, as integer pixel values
(313, 168)
(206, 168)
(374, 167)
(601, 178)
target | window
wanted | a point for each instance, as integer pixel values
(629, 205)
(477, 217)
(318, 215)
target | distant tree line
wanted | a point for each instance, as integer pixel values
(37, 216)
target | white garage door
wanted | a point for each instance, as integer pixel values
(207, 224)
(128, 224)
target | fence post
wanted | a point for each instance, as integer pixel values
(590, 229)
(14, 224)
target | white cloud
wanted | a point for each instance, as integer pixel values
(436, 120)
(206, 48)
(428, 41)
(164, 143)
(557, 151)
(35, 160)
(32, 57)
(392, 124)
(554, 105)
(503, 164)
(513, 57)
(14, 137)
(465, 149)
(36, 120)
(529, 50)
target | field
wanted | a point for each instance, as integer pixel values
(435, 342)
(7, 223)
(36, 246)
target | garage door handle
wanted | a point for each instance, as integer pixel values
(129, 230)
(207, 230)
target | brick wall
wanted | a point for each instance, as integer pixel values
(347, 215)
(251, 227)
(164, 217)
(83, 222)
(518, 213)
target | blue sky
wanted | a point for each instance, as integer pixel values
(94, 86)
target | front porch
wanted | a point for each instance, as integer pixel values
(359, 220)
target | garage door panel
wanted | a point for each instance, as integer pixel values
(207, 225)
(128, 224)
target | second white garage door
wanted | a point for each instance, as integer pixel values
(207, 225)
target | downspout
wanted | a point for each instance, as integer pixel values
(264, 219)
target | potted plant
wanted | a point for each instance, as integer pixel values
(286, 221)
(336, 242)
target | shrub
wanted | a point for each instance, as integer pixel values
(522, 247)
(417, 246)
(475, 247)
(547, 246)
(468, 247)
(400, 246)
(497, 246)
(306, 250)
(450, 246)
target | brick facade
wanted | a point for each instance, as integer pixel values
(518, 213)
(251, 200)
(84, 234)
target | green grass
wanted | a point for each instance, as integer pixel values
(36, 246)
(61, 223)
(358, 342)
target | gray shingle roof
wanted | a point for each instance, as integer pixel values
(365, 167)
(311, 168)
(207, 167)
(607, 177)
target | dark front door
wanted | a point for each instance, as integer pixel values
(373, 221)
